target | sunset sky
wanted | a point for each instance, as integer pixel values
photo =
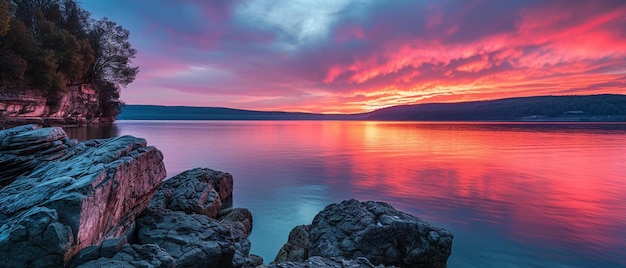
(345, 56)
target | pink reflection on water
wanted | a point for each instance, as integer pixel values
(556, 187)
(519, 189)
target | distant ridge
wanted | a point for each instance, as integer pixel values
(155, 112)
(606, 107)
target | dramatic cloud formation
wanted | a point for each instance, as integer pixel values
(356, 55)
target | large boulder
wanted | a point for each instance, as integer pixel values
(199, 190)
(60, 196)
(191, 219)
(373, 230)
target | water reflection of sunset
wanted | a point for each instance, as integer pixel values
(503, 175)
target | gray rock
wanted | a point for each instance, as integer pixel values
(35, 238)
(147, 255)
(252, 261)
(239, 222)
(193, 240)
(378, 232)
(237, 218)
(190, 218)
(24, 148)
(85, 193)
(200, 190)
(321, 262)
(297, 247)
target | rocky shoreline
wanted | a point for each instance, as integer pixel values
(103, 203)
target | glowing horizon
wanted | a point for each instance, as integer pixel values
(354, 56)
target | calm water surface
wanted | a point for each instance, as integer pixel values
(514, 195)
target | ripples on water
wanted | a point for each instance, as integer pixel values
(514, 194)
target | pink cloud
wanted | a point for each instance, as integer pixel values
(373, 56)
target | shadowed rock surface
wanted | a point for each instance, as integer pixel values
(199, 191)
(320, 262)
(177, 223)
(63, 196)
(297, 247)
(374, 230)
(190, 218)
(148, 255)
(25, 147)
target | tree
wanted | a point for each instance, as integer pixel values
(48, 45)
(113, 53)
(17, 47)
(5, 17)
(76, 19)
(112, 65)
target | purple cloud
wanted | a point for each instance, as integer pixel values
(353, 56)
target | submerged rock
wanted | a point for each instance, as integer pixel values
(373, 230)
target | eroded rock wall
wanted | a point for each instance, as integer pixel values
(78, 105)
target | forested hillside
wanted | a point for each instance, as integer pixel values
(607, 107)
(50, 45)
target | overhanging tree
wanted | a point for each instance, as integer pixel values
(112, 67)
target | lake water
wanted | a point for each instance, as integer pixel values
(514, 195)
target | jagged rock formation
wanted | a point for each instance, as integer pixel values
(93, 204)
(61, 196)
(373, 230)
(183, 219)
(186, 219)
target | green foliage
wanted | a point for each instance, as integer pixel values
(49, 45)
(12, 68)
(5, 17)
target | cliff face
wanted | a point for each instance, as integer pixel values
(79, 105)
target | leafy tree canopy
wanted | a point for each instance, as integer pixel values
(49, 45)
(5, 17)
